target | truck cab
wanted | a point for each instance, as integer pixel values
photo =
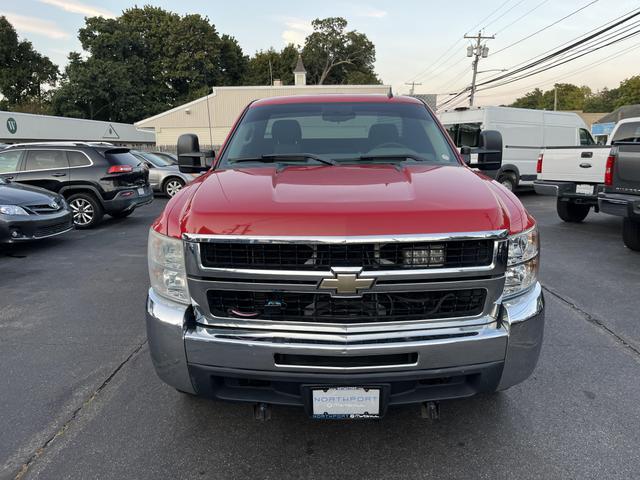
(340, 255)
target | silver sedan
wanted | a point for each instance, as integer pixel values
(164, 175)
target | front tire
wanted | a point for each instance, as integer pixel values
(572, 212)
(172, 186)
(631, 234)
(87, 211)
(508, 181)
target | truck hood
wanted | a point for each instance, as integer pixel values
(345, 201)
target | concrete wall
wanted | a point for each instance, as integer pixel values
(224, 106)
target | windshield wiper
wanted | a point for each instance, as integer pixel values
(287, 157)
(392, 156)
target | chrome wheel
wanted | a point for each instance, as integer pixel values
(172, 187)
(82, 211)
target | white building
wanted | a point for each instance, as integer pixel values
(26, 127)
(212, 117)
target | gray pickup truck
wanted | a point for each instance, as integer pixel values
(621, 194)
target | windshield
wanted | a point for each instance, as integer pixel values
(339, 133)
(156, 160)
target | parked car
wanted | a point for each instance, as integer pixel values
(524, 132)
(172, 157)
(31, 213)
(94, 178)
(575, 175)
(164, 174)
(621, 193)
(342, 258)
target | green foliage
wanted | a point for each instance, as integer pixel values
(26, 76)
(331, 53)
(572, 97)
(267, 63)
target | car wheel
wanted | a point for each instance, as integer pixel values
(87, 211)
(631, 234)
(572, 212)
(122, 213)
(508, 180)
(172, 186)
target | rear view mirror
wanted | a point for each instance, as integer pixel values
(466, 154)
(190, 158)
(489, 151)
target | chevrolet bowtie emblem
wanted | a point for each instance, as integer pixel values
(346, 281)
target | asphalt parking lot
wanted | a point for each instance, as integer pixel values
(79, 397)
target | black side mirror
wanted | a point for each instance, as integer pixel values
(489, 151)
(466, 154)
(190, 158)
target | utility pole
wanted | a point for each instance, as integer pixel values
(413, 86)
(555, 98)
(478, 50)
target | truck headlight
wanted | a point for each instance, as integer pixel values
(12, 210)
(522, 265)
(166, 267)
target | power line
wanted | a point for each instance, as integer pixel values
(522, 16)
(503, 14)
(545, 28)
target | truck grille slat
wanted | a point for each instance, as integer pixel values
(370, 308)
(378, 256)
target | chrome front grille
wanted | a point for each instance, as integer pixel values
(342, 284)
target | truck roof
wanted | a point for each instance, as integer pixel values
(335, 98)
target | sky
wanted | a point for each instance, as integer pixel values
(419, 41)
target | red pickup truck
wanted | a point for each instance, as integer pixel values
(341, 256)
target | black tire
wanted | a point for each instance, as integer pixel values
(172, 185)
(631, 234)
(122, 213)
(508, 180)
(572, 212)
(87, 211)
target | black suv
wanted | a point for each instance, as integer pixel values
(94, 178)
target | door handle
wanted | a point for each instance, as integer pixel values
(59, 175)
(586, 154)
(585, 165)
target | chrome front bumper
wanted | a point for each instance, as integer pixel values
(177, 344)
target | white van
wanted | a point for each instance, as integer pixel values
(524, 133)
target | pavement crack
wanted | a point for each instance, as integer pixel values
(593, 320)
(42, 449)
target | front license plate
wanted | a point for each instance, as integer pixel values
(141, 191)
(346, 402)
(584, 189)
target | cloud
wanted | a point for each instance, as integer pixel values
(297, 29)
(79, 7)
(35, 25)
(372, 13)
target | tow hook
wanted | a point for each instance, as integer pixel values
(431, 410)
(262, 412)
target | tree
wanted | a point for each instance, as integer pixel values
(628, 93)
(26, 76)
(602, 101)
(570, 97)
(533, 99)
(268, 65)
(331, 53)
(144, 62)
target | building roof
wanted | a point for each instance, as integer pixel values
(299, 66)
(335, 98)
(626, 111)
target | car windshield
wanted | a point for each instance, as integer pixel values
(156, 160)
(337, 133)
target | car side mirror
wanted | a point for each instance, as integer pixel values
(489, 151)
(190, 158)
